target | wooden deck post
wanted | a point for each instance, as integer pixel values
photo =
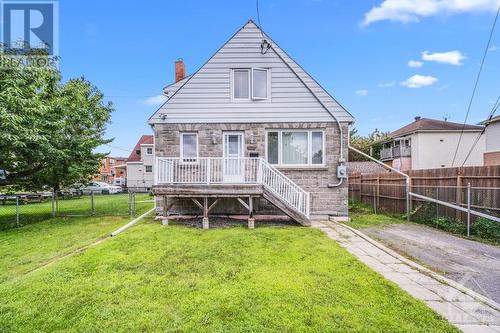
(205, 222)
(251, 220)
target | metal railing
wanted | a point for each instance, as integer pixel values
(231, 171)
(395, 152)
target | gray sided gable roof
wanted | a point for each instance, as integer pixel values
(205, 96)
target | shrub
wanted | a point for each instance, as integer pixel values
(486, 229)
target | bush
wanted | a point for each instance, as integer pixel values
(486, 229)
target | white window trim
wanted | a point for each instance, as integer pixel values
(248, 70)
(152, 151)
(182, 149)
(268, 85)
(251, 97)
(309, 143)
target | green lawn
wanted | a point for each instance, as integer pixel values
(362, 216)
(181, 279)
(104, 205)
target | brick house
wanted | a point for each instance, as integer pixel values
(250, 132)
(111, 171)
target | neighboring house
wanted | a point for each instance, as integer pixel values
(430, 144)
(110, 171)
(250, 132)
(492, 137)
(140, 164)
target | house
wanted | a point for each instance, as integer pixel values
(110, 171)
(140, 165)
(250, 132)
(492, 138)
(430, 144)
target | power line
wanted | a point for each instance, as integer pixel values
(475, 85)
(258, 18)
(490, 116)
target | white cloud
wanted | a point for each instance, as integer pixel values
(362, 92)
(386, 84)
(155, 100)
(451, 57)
(493, 48)
(407, 11)
(419, 81)
(415, 64)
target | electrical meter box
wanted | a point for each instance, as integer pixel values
(341, 172)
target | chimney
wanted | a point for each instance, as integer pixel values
(417, 118)
(180, 70)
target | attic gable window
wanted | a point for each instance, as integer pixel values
(259, 83)
(241, 84)
(250, 84)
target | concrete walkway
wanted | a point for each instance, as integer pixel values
(464, 311)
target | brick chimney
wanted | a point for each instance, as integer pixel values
(180, 70)
(417, 118)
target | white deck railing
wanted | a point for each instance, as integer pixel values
(231, 171)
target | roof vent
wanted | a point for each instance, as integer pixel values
(417, 118)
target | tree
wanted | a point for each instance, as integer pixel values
(371, 144)
(48, 129)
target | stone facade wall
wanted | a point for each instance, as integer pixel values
(324, 200)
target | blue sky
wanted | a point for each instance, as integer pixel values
(358, 50)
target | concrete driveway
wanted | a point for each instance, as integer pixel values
(473, 264)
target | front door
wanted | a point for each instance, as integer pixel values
(234, 165)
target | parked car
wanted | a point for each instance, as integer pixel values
(101, 188)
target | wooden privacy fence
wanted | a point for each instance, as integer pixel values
(387, 191)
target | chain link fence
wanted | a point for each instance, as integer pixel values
(26, 208)
(465, 210)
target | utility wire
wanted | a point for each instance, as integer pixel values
(490, 116)
(258, 18)
(475, 85)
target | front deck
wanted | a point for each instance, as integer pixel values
(245, 179)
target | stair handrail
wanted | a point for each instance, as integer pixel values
(288, 181)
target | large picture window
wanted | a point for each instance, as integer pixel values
(295, 147)
(189, 147)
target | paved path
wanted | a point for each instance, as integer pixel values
(472, 264)
(458, 308)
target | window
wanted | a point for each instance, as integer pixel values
(241, 84)
(259, 83)
(138, 152)
(250, 83)
(149, 151)
(295, 147)
(149, 168)
(189, 147)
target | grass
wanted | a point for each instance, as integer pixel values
(28, 247)
(180, 279)
(362, 216)
(104, 205)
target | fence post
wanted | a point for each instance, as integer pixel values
(374, 189)
(92, 207)
(130, 204)
(408, 199)
(53, 204)
(468, 209)
(17, 210)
